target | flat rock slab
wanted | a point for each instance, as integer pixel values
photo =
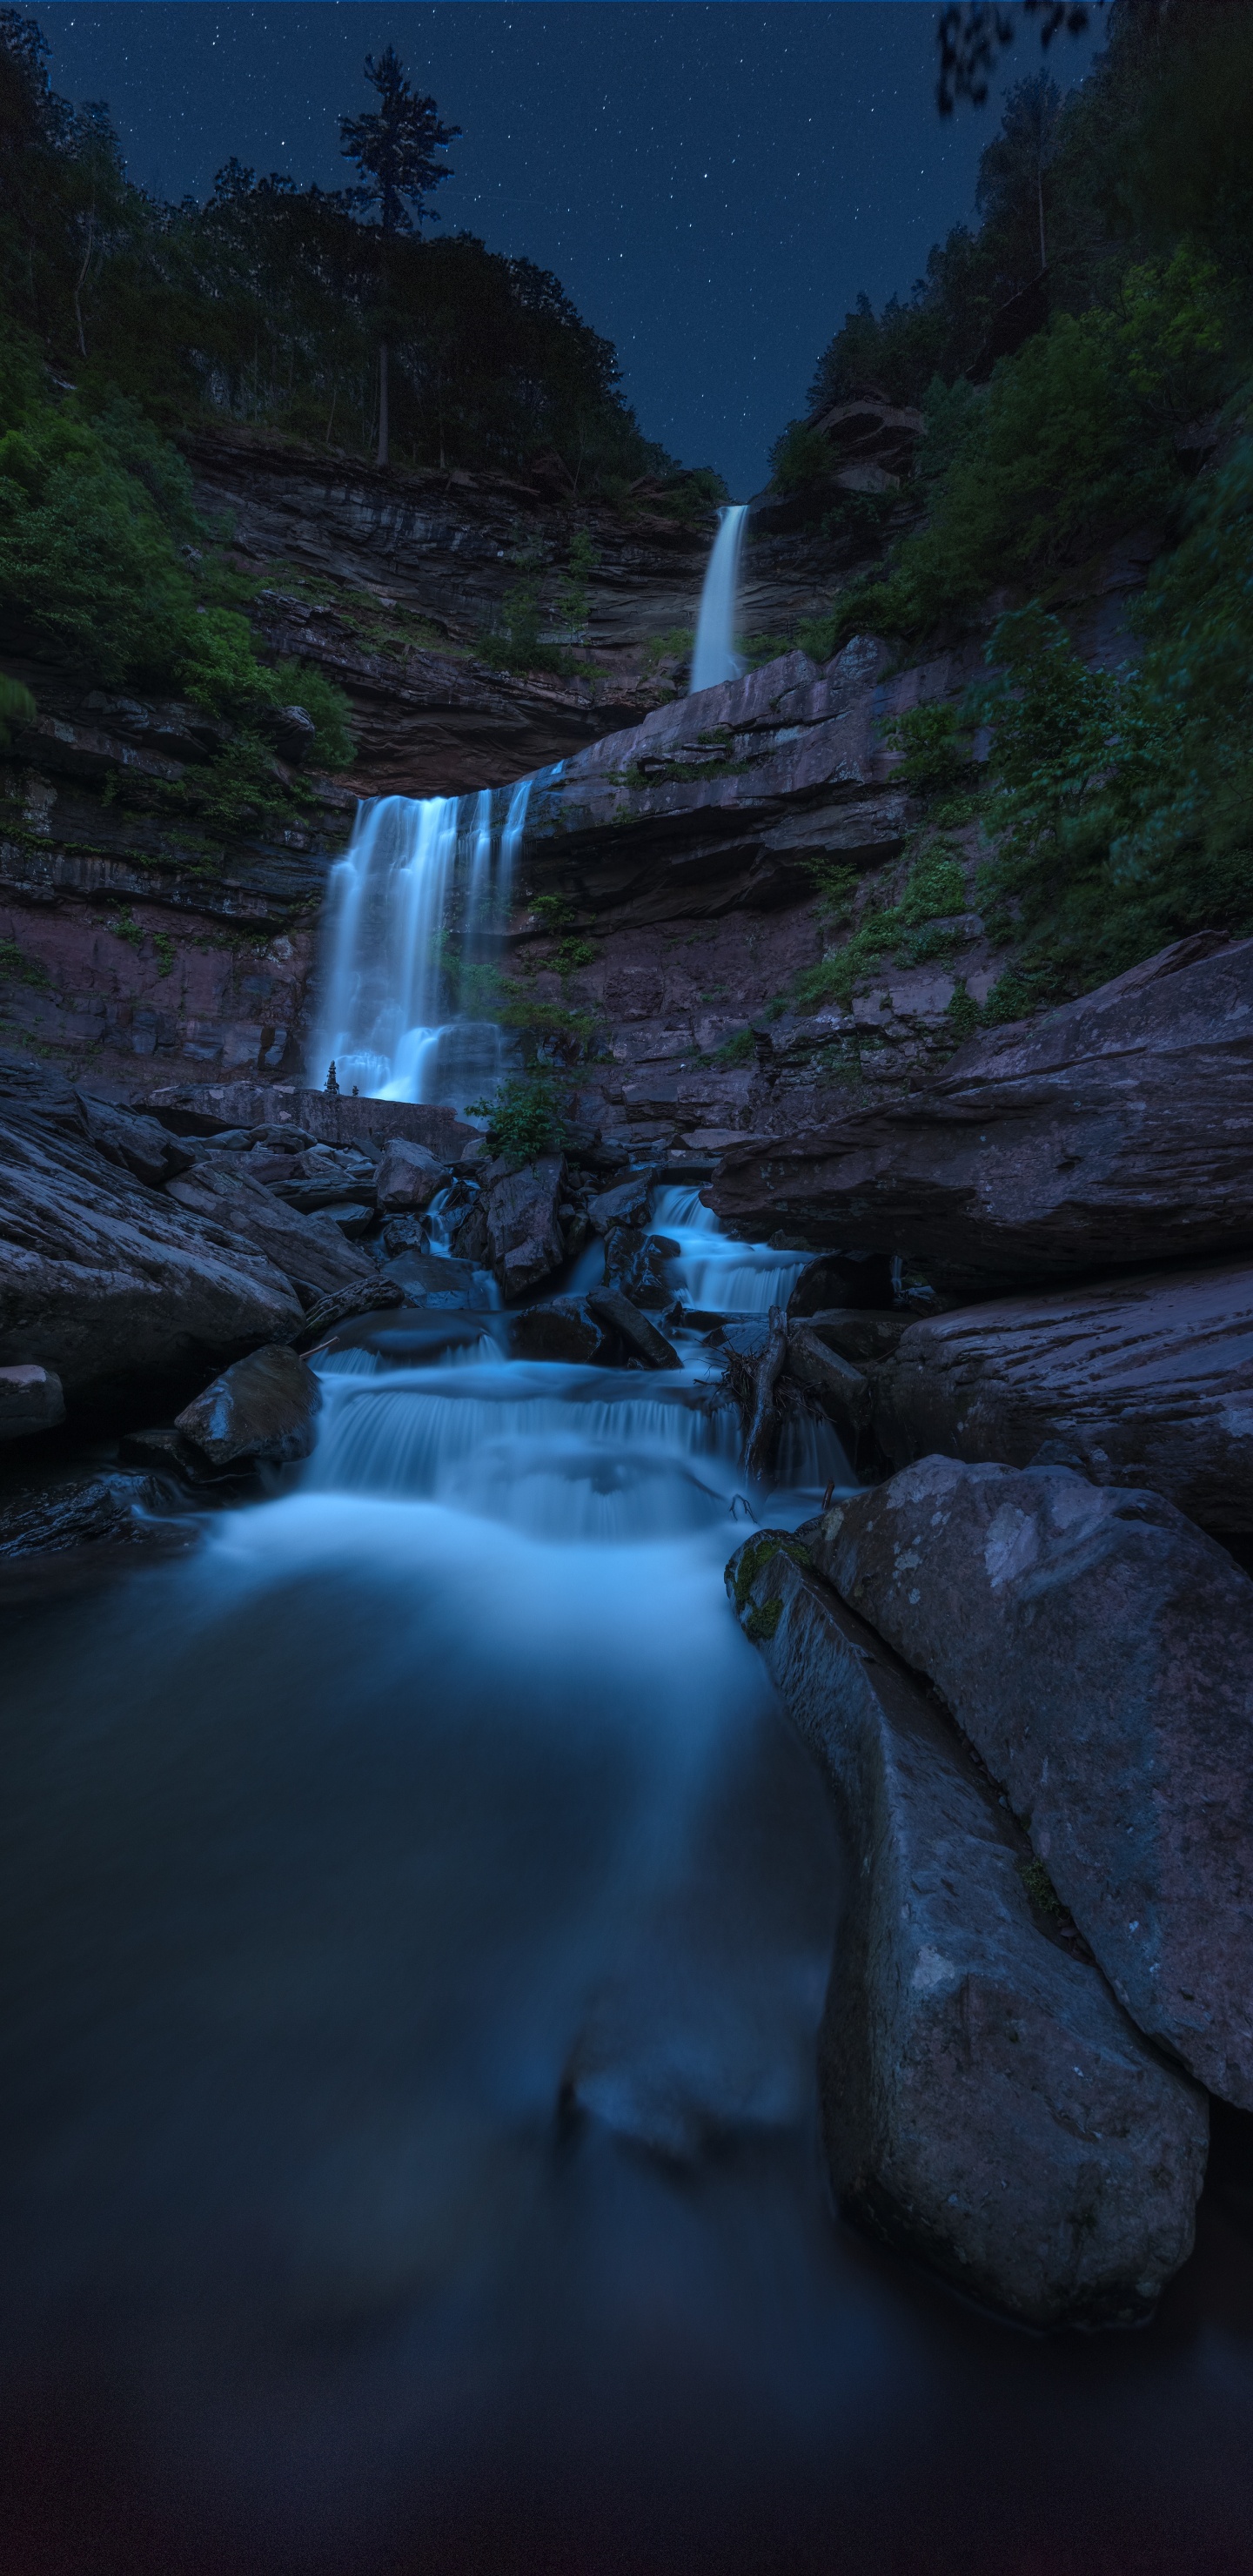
(109, 1284)
(1097, 1649)
(310, 1249)
(1116, 1130)
(1147, 1381)
(263, 1411)
(199, 1108)
(987, 2105)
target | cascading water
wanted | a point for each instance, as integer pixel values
(398, 1018)
(714, 658)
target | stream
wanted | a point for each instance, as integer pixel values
(420, 1914)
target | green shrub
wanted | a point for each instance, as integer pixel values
(801, 459)
(525, 1118)
(740, 1048)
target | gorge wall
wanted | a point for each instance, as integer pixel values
(142, 942)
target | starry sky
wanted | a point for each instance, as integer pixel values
(712, 181)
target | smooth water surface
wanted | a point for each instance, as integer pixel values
(419, 1919)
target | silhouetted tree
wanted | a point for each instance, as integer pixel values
(1010, 192)
(394, 147)
(973, 33)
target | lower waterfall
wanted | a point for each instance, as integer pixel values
(714, 658)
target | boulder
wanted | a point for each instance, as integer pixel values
(432, 1279)
(987, 2105)
(1145, 1381)
(118, 1291)
(310, 1249)
(628, 1204)
(636, 1263)
(259, 1412)
(861, 1338)
(140, 1145)
(1097, 1649)
(523, 1235)
(642, 1339)
(407, 1178)
(564, 1329)
(31, 1399)
(860, 1279)
(1116, 1130)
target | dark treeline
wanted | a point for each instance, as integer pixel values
(267, 306)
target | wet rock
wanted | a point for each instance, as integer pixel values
(1116, 1130)
(861, 1338)
(564, 1329)
(1097, 1649)
(628, 1204)
(986, 2104)
(140, 1145)
(112, 1286)
(260, 1412)
(31, 1399)
(524, 1237)
(1145, 1381)
(637, 1265)
(161, 1447)
(433, 1279)
(361, 1299)
(327, 1177)
(843, 1390)
(642, 1339)
(407, 1178)
(309, 1248)
(860, 1279)
(80, 1512)
(471, 1240)
(353, 1220)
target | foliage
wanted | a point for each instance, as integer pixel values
(802, 459)
(17, 707)
(915, 929)
(739, 1049)
(525, 1118)
(394, 147)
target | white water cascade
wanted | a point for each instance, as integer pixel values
(714, 658)
(398, 1021)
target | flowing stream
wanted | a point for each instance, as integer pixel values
(419, 1917)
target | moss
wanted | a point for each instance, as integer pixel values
(760, 1625)
(1040, 1889)
(756, 1553)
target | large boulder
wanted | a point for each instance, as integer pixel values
(31, 1399)
(311, 1249)
(260, 1412)
(642, 1339)
(1097, 1649)
(859, 1279)
(407, 1178)
(524, 1238)
(1142, 1381)
(123, 1295)
(1117, 1130)
(986, 2104)
(140, 1145)
(563, 1328)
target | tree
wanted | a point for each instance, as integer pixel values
(394, 147)
(972, 33)
(1010, 192)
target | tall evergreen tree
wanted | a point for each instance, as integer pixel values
(394, 147)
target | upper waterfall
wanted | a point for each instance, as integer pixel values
(714, 658)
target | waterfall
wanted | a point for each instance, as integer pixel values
(398, 1017)
(714, 658)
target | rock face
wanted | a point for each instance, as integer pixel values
(1117, 1130)
(986, 2104)
(524, 1237)
(106, 1282)
(31, 1399)
(310, 1249)
(262, 1411)
(1146, 1381)
(1098, 1651)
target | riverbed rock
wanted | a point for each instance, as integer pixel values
(627, 1204)
(523, 1234)
(407, 1178)
(1146, 1381)
(1117, 1130)
(82, 1511)
(310, 1249)
(564, 1328)
(124, 1295)
(262, 1411)
(140, 1145)
(843, 1390)
(642, 1339)
(637, 1264)
(1097, 1649)
(859, 1337)
(987, 2105)
(31, 1399)
(360, 1299)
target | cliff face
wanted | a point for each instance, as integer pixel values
(140, 943)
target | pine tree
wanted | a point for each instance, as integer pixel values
(394, 147)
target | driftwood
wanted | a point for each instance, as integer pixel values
(763, 1433)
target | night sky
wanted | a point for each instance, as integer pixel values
(712, 182)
